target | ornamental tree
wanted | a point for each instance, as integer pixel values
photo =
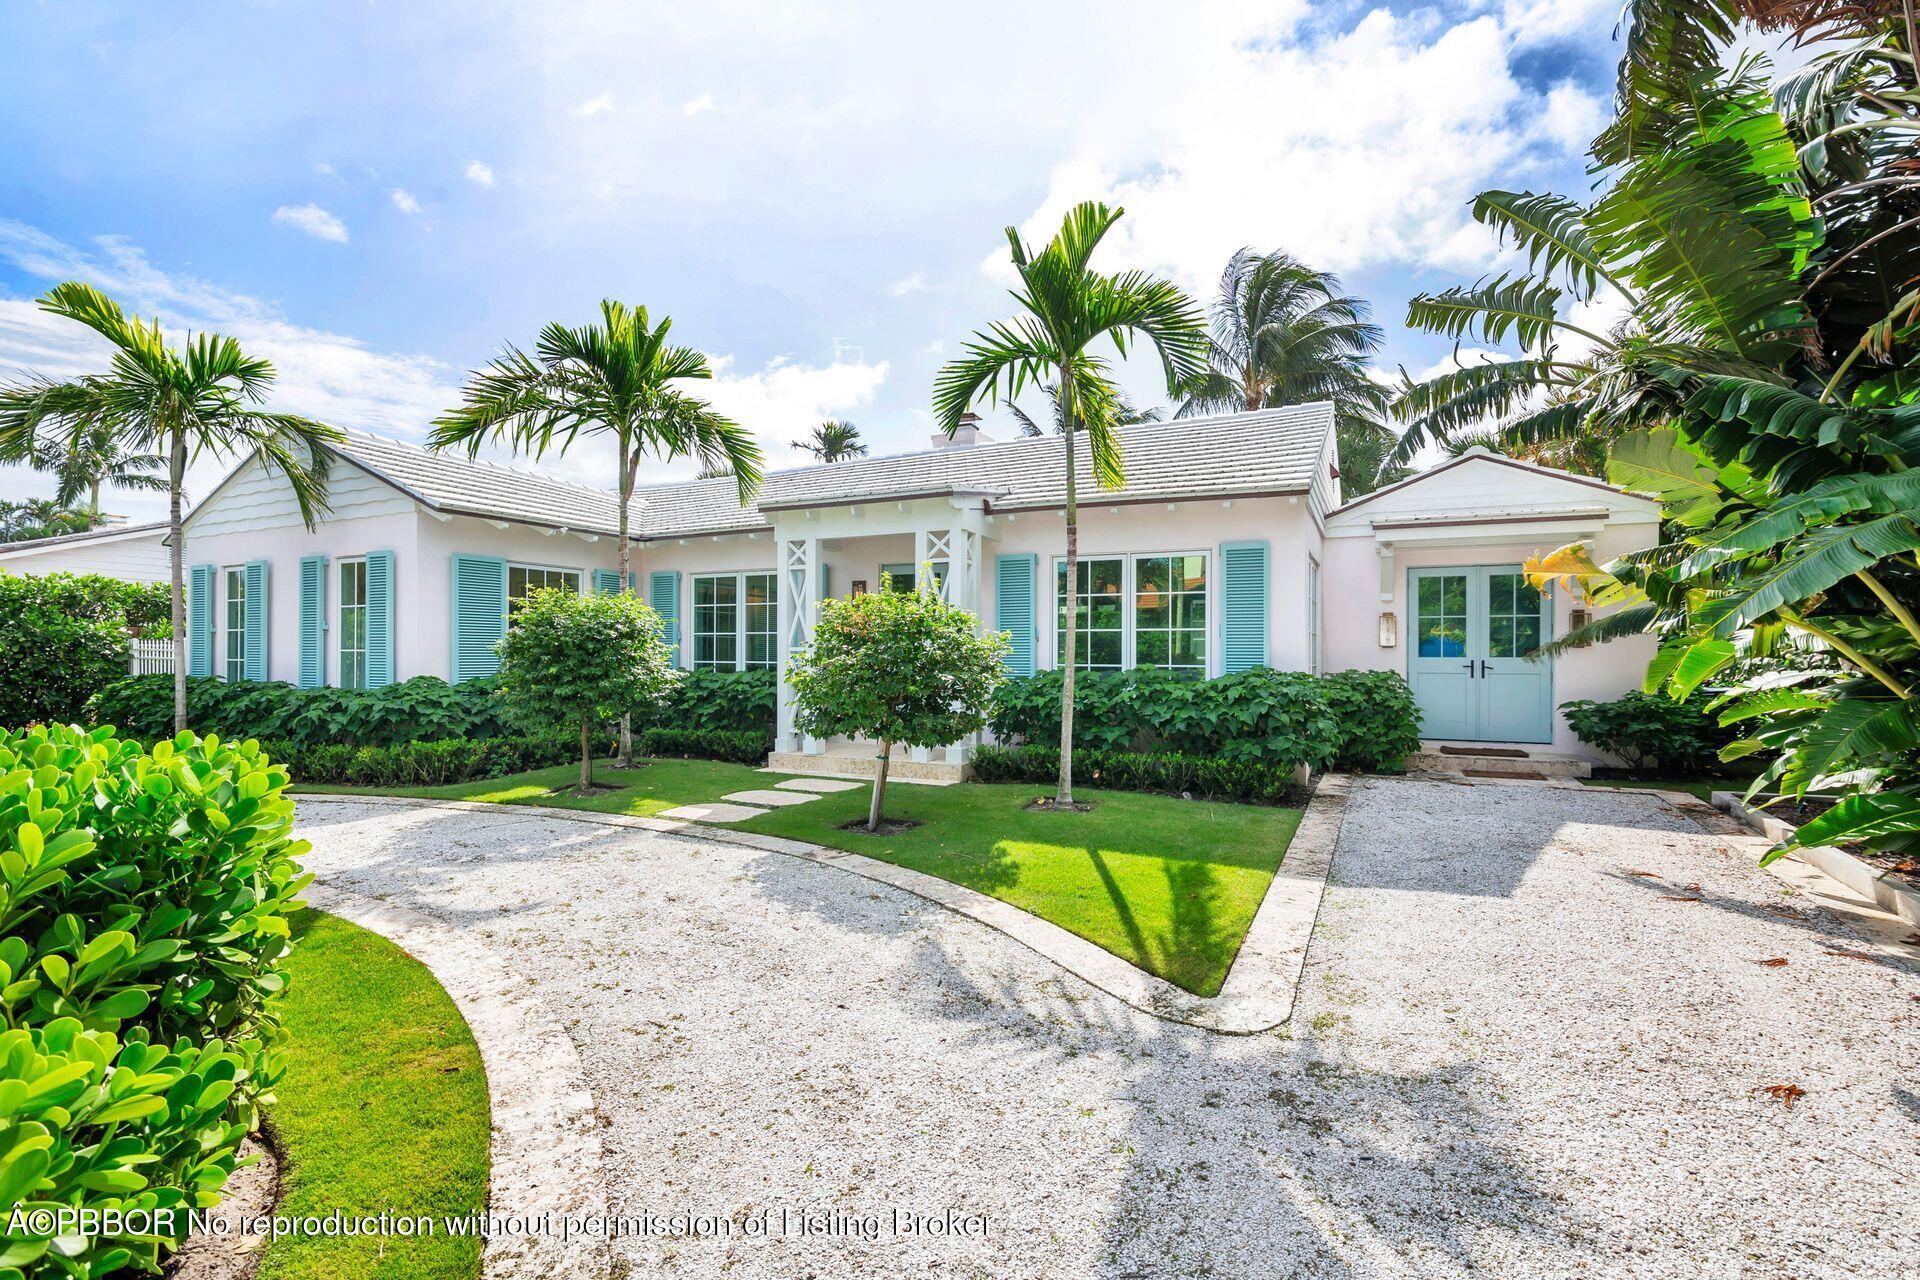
(893, 668)
(580, 659)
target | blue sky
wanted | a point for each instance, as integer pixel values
(378, 195)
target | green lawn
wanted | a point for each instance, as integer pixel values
(383, 1107)
(1170, 885)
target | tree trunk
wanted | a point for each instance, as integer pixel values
(879, 788)
(93, 499)
(586, 756)
(627, 465)
(176, 477)
(1065, 795)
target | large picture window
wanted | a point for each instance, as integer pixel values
(1147, 610)
(353, 624)
(235, 665)
(736, 621)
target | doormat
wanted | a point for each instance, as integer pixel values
(1505, 753)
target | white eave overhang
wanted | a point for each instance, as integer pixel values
(1457, 528)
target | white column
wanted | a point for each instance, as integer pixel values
(963, 589)
(799, 587)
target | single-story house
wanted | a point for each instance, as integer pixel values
(129, 552)
(1228, 548)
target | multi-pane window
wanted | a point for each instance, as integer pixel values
(353, 624)
(1513, 616)
(736, 620)
(525, 579)
(236, 655)
(903, 578)
(1440, 627)
(1170, 612)
(1099, 602)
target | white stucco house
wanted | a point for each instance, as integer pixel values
(129, 552)
(1228, 548)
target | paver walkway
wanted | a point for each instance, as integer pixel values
(1531, 1033)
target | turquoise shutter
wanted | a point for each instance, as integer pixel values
(479, 614)
(663, 593)
(313, 622)
(606, 581)
(1014, 608)
(200, 620)
(1243, 606)
(253, 652)
(380, 619)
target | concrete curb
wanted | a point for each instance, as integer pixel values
(545, 1152)
(1882, 888)
(1257, 996)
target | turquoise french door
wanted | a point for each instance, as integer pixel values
(1472, 631)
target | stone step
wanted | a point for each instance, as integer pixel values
(834, 764)
(1500, 761)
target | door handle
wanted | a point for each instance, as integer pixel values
(1471, 673)
(1485, 667)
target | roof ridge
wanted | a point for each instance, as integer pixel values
(474, 460)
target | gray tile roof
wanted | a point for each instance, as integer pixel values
(86, 535)
(1269, 451)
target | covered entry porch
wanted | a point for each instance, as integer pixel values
(935, 543)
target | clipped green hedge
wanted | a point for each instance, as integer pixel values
(424, 764)
(704, 744)
(1652, 731)
(1169, 772)
(143, 905)
(63, 638)
(1355, 719)
(415, 710)
(717, 702)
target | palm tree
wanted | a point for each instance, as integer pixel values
(94, 457)
(835, 442)
(40, 518)
(179, 404)
(614, 378)
(1124, 415)
(1067, 308)
(1283, 333)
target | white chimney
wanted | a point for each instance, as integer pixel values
(965, 436)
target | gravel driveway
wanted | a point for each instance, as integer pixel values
(1513, 1056)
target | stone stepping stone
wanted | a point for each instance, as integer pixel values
(820, 785)
(772, 798)
(711, 813)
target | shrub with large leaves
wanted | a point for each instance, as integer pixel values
(143, 905)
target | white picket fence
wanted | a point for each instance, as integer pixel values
(151, 657)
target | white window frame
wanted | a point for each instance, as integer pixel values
(578, 575)
(1313, 615)
(233, 654)
(740, 630)
(340, 608)
(1130, 591)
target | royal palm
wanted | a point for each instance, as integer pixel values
(616, 378)
(1066, 307)
(153, 399)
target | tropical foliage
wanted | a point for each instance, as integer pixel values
(1125, 414)
(33, 518)
(577, 659)
(617, 378)
(99, 456)
(1284, 333)
(63, 638)
(835, 441)
(1067, 307)
(154, 400)
(895, 667)
(143, 922)
(1761, 244)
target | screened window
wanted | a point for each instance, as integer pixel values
(236, 654)
(1170, 612)
(1513, 616)
(736, 621)
(525, 579)
(1099, 599)
(353, 624)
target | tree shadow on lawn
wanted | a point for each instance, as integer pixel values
(1272, 1155)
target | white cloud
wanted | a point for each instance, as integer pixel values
(914, 283)
(480, 173)
(784, 399)
(1572, 117)
(404, 201)
(313, 220)
(330, 376)
(595, 106)
(698, 106)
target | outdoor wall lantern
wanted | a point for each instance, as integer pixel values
(1389, 626)
(1577, 619)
